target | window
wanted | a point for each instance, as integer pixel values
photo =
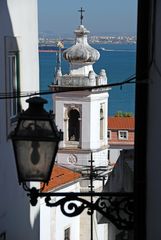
(12, 71)
(109, 134)
(123, 135)
(67, 234)
(108, 155)
(74, 125)
(13, 75)
(102, 121)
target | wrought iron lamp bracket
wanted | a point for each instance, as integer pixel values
(118, 208)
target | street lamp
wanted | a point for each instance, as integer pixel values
(35, 143)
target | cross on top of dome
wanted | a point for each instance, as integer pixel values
(81, 57)
(81, 15)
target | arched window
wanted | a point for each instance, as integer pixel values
(101, 122)
(74, 125)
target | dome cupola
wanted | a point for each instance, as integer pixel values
(81, 57)
(81, 52)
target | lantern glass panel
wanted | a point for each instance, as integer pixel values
(35, 159)
(35, 141)
(35, 128)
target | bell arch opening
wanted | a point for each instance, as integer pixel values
(74, 125)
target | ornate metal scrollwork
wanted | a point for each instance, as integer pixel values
(70, 206)
(118, 208)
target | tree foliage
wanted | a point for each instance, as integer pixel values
(123, 114)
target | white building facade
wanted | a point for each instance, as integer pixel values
(82, 114)
(19, 72)
(53, 224)
(120, 136)
(81, 111)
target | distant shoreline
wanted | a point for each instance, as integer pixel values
(124, 39)
(47, 51)
(103, 43)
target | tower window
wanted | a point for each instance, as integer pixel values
(74, 125)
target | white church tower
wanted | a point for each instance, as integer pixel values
(81, 112)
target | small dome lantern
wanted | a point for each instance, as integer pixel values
(81, 51)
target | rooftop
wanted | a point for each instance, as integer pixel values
(61, 176)
(125, 123)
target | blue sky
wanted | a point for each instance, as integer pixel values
(101, 16)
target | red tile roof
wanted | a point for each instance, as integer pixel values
(61, 176)
(121, 123)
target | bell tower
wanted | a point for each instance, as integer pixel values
(81, 112)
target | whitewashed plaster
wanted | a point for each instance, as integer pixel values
(53, 223)
(18, 22)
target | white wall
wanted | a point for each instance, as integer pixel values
(82, 159)
(53, 223)
(17, 19)
(115, 152)
(114, 155)
(90, 119)
(25, 27)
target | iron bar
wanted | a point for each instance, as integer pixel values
(86, 194)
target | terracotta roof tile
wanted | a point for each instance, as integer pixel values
(121, 123)
(61, 176)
